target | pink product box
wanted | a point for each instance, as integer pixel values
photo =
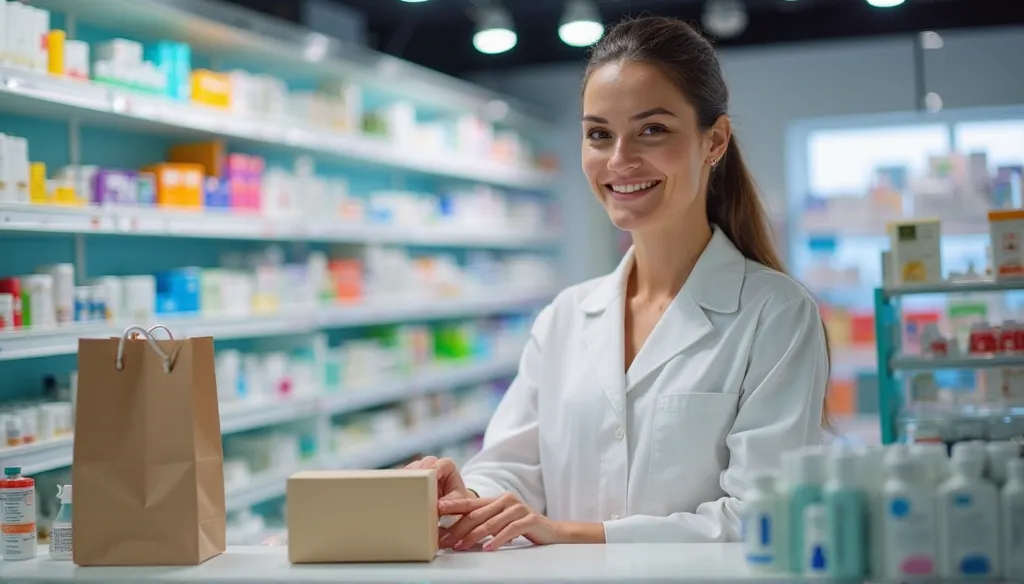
(244, 176)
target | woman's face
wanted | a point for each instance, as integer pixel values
(644, 154)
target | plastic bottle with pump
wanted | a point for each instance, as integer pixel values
(846, 510)
(872, 462)
(909, 521)
(968, 511)
(1012, 513)
(999, 454)
(764, 526)
(60, 534)
(805, 476)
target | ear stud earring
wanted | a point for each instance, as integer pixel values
(713, 162)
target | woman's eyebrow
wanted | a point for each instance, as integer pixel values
(656, 111)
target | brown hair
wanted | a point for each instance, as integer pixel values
(690, 61)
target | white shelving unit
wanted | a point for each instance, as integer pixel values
(240, 417)
(39, 95)
(151, 222)
(249, 41)
(63, 340)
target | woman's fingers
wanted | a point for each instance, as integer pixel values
(425, 462)
(492, 526)
(486, 509)
(511, 531)
(462, 506)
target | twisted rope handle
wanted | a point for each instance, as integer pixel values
(135, 330)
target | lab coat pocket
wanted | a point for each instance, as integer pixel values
(688, 446)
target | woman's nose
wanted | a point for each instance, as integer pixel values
(624, 157)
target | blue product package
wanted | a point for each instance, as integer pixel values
(178, 290)
(183, 72)
(146, 189)
(216, 193)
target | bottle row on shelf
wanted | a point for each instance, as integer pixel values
(262, 283)
(892, 513)
(205, 176)
(165, 70)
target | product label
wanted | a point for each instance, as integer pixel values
(973, 533)
(759, 534)
(18, 522)
(60, 541)
(909, 536)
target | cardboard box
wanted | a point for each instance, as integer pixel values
(362, 516)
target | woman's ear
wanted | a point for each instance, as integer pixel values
(720, 133)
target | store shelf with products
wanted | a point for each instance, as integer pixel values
(97, 220)
(849, 177)
(63, 340)
(242, 416)
(25, 92)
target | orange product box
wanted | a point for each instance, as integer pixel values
(178, 184)
(347, 276)
(842, 397)
(210, 155)
(211, 88)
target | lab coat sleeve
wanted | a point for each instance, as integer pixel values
(780, 409)
(509, 461)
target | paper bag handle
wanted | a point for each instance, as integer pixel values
(148, 335)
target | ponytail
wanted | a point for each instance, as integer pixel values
(734, 205)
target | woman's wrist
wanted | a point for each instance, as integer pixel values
(579, 532)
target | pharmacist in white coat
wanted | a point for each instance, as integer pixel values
(646, 400)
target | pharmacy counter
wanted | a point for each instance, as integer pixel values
(634, 563)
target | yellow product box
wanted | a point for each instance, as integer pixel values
(178, 184)
(37, 192)
(211, 88)
(362, 516)
(1006, 228)
(914, 251)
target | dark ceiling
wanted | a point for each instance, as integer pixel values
(438, 33)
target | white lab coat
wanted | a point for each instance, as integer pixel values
(733, 374)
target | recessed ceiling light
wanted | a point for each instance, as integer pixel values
(885, 3)
(495, 32)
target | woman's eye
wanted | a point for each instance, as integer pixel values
(598, 135)
(654, 130)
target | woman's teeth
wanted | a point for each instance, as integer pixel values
(627, 189)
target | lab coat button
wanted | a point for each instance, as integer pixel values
(619, 433)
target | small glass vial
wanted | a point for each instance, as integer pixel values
(60, 534)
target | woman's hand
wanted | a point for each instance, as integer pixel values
(449, 481)
(504, 518)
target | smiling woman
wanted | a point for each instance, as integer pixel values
(647, 400)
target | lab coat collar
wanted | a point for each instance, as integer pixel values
(714, 283)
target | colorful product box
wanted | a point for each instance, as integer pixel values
(211, 88)
(174, 60)
(217, 193)
(115, 187)
(245, 177)
(178, 290)
(178, 185)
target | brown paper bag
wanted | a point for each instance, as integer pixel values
(148, 468)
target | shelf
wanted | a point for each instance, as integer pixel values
(961, 362)
(34, 94)
(955, 287)
(248, 39)
(435, 435)
(239, 417)
(433, 380)
(63, 340)
(212, 225)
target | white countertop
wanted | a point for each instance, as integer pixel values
(640, 563)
